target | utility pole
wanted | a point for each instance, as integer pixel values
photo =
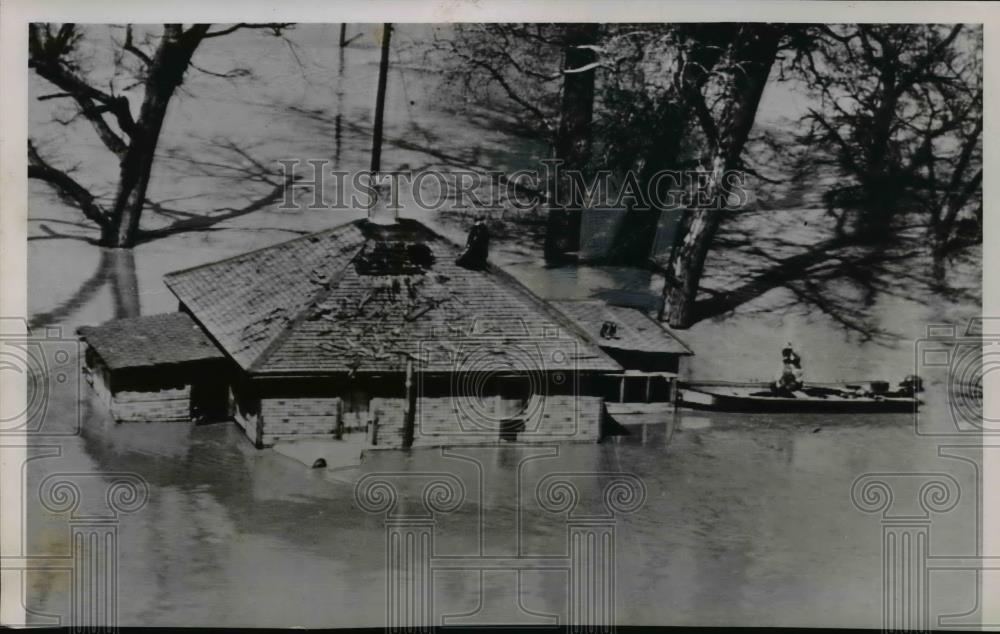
(383, 71)
(343, 34)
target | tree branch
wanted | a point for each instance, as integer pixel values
(65, 186)
(47, 57)
(934, 55)
(511, 93)
(276, 27)
(131, 48)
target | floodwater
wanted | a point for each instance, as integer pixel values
(746, 520)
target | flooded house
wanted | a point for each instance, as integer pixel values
(374, 332)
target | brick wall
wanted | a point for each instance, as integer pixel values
(294, 417)
(136, 406)
(152, 406)
(563, 417)
(437, 422)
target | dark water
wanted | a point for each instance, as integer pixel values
(747, 520)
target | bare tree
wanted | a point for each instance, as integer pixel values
(736, 86)
(514, 69)
(899, 118)
(545, 75)
(54, 54)
(650, 104)
(900, 113)
(665, 93)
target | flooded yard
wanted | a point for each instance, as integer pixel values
(746, 521)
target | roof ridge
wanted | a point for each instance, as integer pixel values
(238, 256)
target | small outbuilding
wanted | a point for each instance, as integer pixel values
(156, 368)
(649, 353)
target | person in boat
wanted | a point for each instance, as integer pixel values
(790, 378)
(477, 246)
(910, 385)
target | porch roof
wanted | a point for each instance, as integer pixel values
(636, 331)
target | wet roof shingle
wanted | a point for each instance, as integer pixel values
(311, 305)
(246, 301)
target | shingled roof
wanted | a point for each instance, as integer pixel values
(148, 341)
(365, 298)
(636, 331)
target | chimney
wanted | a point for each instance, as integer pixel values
(383, 211)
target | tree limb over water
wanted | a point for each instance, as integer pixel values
(55, 53)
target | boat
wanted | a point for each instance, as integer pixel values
(759, 397)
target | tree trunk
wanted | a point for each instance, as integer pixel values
(634, 242)
(705, 43)
(577, 109)
(878, 183)
(124, 283)
(165, 73)
(754, 52)
(880, 193)
(136, 167)
(874, 221)
(572, 143)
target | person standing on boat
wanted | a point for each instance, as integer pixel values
(790, 378)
